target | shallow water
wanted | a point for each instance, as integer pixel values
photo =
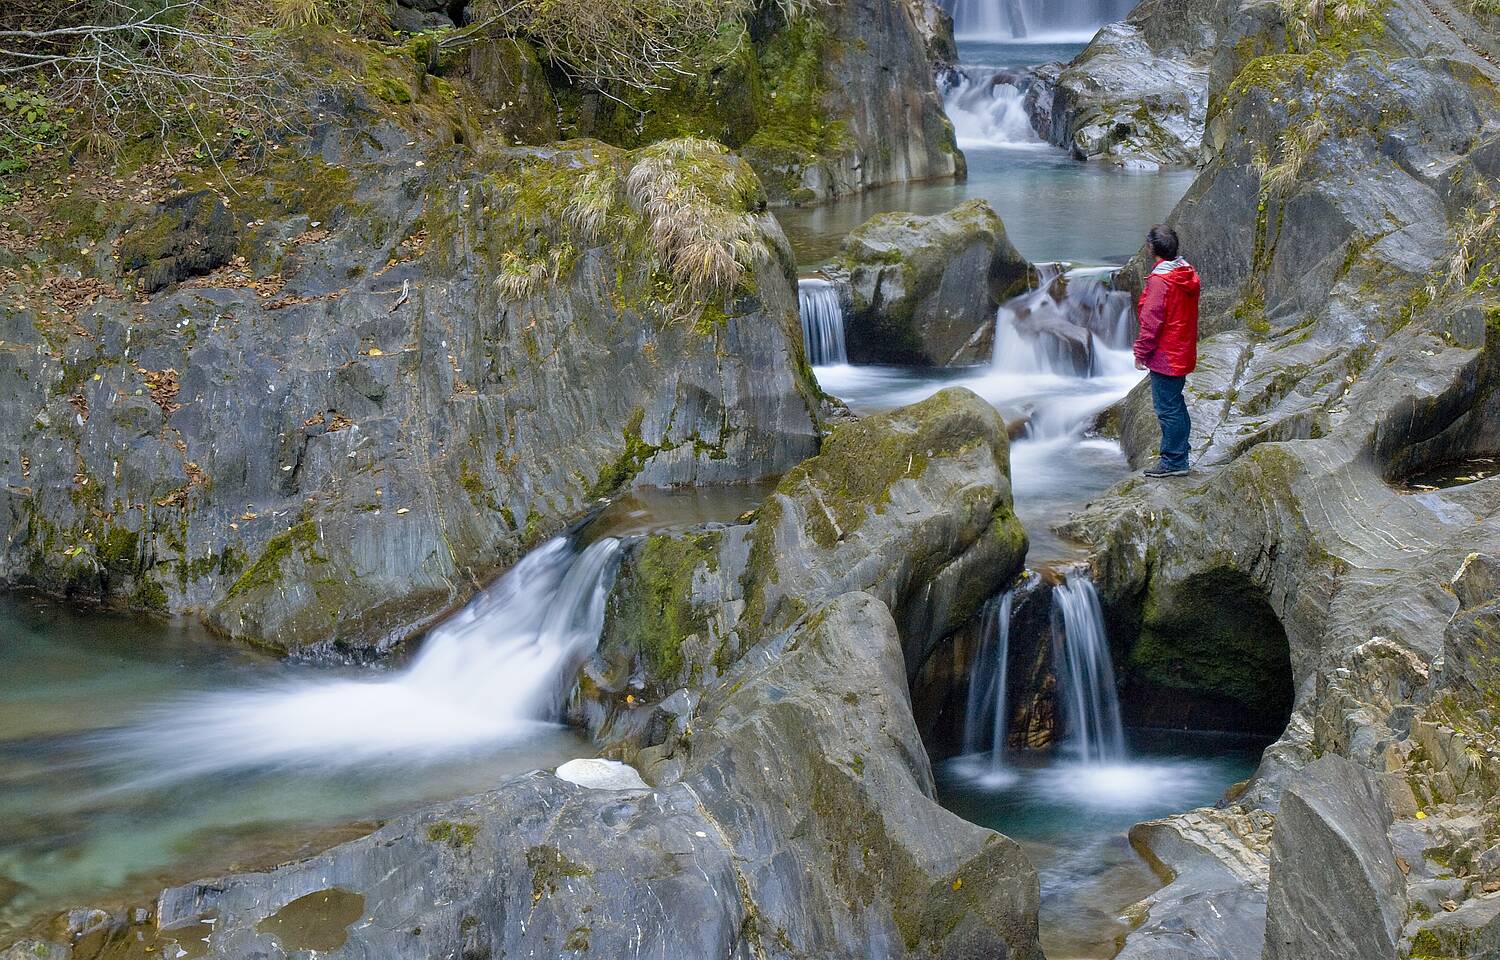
(1072, 820)
(84, 821)
(1055, 208)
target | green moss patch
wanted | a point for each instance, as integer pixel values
(654, 614)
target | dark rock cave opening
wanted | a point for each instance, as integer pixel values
(1207, 653)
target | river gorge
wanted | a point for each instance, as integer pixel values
(507, 498)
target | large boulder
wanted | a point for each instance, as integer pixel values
(790, 814)
(912, 506)
(911, 283)
(1335, 892)
(1344, 408)
(1138, 93)
(420, 360)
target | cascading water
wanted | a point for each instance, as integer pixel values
(989, 110)
(1086, 692)
(987, 712)
(822, 322)
(1072, 329)
(494, 672)
(1034, 20)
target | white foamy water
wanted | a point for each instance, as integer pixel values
(1056, 465)
(495, 672)
(989, 113)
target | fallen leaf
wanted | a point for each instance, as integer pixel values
(376, 352)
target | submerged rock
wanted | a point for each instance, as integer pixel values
(921, 288)
(792, 812)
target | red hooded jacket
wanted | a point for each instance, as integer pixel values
(1168, 310)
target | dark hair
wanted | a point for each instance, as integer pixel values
(1164, 242)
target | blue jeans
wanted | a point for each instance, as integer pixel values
(1172, 411)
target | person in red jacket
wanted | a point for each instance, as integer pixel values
(1168, 345)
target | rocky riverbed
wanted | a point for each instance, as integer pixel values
(317, 390)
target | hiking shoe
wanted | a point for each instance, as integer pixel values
(1159, 471)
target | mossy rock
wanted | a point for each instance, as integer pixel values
(911, 282)
(652, 613)
(191, 235)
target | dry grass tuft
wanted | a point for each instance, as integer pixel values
(299, 14)
(1307, 19)
(694, 200)
(1295, 147)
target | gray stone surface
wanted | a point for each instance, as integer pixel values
(1335, 892)
(1214, 906)
(1138, 94)
(329, 441)
(921, 287)
(878, 83)
(792, 813)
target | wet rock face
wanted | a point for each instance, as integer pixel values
(1138, 94)
(877, 86)
(912, 506)
(413, 368)
(911, 282)
(792, 811)
(1350, 344)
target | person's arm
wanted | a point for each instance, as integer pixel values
(1153, 315)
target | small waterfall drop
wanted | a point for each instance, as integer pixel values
(1042, 21)
(988, 109)
(822, 322)
(1089, 702)
(987, 712)
(494, 672)
(1072, 327)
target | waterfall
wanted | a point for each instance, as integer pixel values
(987, 712)
(1072, 326)
(988, 109)
(822, 322)
(493, 672)
(1056, 21)
(1089, 702)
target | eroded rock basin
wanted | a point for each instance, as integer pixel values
(1071, 818)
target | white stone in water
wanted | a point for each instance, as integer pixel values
(601, 775)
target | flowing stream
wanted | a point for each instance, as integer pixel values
(1038, 21)
(1061, 357)
(135, 755)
